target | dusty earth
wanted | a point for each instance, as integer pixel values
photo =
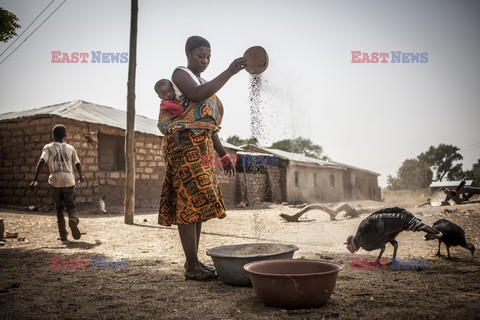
(152, 285)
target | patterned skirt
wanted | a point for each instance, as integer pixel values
(190, 191)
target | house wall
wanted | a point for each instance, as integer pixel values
(149, 172)
(363, 186)
(228, 185)
(265, 185)
(22, 140)
(306, 191)
(256, 186)
(276, 182)
(21, 143)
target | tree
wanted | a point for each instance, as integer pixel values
(301, 145)
(434, 164)
(237, 141)
(8, 25)
(441, 159)
(474, 174)
(456, 173)
(413, 174)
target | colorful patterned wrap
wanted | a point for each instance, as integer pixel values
(205, 115)
(190, 191)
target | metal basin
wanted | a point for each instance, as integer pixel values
(293, 283)
(229, 260)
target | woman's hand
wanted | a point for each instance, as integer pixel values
(198, 93)
(237, 65)
(228, 167)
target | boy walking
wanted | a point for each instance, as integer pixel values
(60, 157)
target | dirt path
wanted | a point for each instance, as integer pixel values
(153, 286)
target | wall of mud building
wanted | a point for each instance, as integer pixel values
(21, 143)
(312, 183)
(361, 185)
(276, 182)
(264, 185)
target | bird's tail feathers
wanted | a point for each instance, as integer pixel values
(416, 224)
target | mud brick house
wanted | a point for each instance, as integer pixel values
(98, 134)
(297, 178)
(360, 184)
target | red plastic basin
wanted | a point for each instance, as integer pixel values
(293, 283)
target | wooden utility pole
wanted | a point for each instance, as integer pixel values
(130, 134)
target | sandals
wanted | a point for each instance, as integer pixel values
(208, 268)
(204, 267)
(202, 276)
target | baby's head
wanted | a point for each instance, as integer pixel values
(164, 89)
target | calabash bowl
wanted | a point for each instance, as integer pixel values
(257, 60)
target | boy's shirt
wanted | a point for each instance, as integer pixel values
(60, 158)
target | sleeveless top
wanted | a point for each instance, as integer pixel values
(198, 116)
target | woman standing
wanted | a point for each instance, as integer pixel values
(190, 192)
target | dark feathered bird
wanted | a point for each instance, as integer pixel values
(381, 227)
(452, 235)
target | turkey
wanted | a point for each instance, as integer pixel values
(452, 235)
(383, 226)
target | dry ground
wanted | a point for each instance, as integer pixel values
(153, 286)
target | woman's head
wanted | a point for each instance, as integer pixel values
(198, 53)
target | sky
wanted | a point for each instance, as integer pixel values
(370, 115)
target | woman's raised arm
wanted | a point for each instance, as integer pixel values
(202, 92)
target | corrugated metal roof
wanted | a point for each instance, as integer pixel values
(355, 168)
(450, 184)
(304, 159)
(256, 153)
(230, 146)
(297, 157)
(88, 112)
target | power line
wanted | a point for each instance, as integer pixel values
(475, 143)
(27, 27)
(33, 31)
(471, 146)
(470, 149)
